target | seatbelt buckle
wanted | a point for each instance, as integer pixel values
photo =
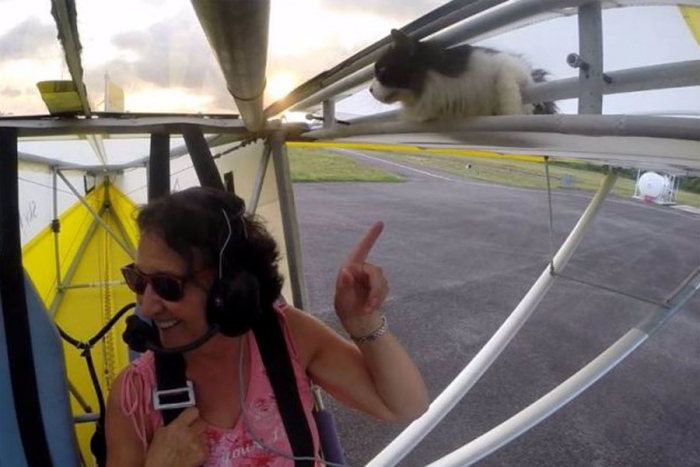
(160, 397)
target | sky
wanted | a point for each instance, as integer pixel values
(156, 51)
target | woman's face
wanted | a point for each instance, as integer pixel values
(179, 322)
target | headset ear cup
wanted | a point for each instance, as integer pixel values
(234, 303)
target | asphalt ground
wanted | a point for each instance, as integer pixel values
(459, 256)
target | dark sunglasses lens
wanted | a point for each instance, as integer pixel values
(134, 280)
(167, 288)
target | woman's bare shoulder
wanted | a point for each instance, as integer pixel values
(124, 448)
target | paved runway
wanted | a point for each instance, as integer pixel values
(460, 255)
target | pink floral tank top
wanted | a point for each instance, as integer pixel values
(235, 446)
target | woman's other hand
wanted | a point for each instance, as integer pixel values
(180, 443)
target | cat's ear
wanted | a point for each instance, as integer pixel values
(402, 40)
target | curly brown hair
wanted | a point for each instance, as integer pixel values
(193, 220)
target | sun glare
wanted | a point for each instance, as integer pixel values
(279, 85)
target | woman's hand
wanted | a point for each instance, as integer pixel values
(181, 443)
(361, 287)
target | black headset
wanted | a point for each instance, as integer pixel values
(233, 304)
(234, 299)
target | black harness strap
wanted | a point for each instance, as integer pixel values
(170, 374)
(278, 364)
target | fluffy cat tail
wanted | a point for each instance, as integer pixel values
(543, 108)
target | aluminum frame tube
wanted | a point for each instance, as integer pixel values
(237, 31)
(487, 22)
(122, 126)
(590, 40)
(78, 397)
(92, 285)
(544, 407)
(65, 16)
(97, 218)
(290, 226)
(334, 90)
(573, 386)
(259, 179)
(504, 16)
(328, 113)
(466, 379)
(333, 83)
(56, 251)
(587, 125)
(665, 76)
(53, 308)
(424, 26)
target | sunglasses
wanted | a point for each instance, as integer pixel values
(166, 286)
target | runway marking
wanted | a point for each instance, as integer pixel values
(609, 199)
(378, 159)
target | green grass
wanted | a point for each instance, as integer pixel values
(318, 165)
(526, 174)
(322, 165)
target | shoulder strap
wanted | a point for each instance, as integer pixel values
(278, 364)
(170, 374)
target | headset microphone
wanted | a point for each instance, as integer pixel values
(141, 336)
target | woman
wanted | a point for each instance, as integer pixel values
(193, 237)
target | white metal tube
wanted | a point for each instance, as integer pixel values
(359, 72)
(259, 178)
(590, 39)
(664, 76)
(66, 22)
(328, 113)
(590, 125)
(512, 16)
(55, 229)
(575, 385)
(343, 77)
(237, 31)
(123, 126)
(647, 78)
(300, 295)
(544, 407)
(346, 85)
(458, 388)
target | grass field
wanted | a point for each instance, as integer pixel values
(321, 165)
(318, 165)
(528, 174)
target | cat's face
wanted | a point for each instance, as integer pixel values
(398, 73)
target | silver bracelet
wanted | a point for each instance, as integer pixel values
(374, 335)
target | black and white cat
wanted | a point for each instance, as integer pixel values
(437, 83)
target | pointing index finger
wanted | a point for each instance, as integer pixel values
(361, 250)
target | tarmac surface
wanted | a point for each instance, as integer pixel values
(459, 256)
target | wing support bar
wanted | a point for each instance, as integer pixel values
(467, 378)
(575, 385)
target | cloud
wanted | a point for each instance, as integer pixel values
(175, 54)
(167, 66)
(29, 39)
(169, 53)
(8, 91)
